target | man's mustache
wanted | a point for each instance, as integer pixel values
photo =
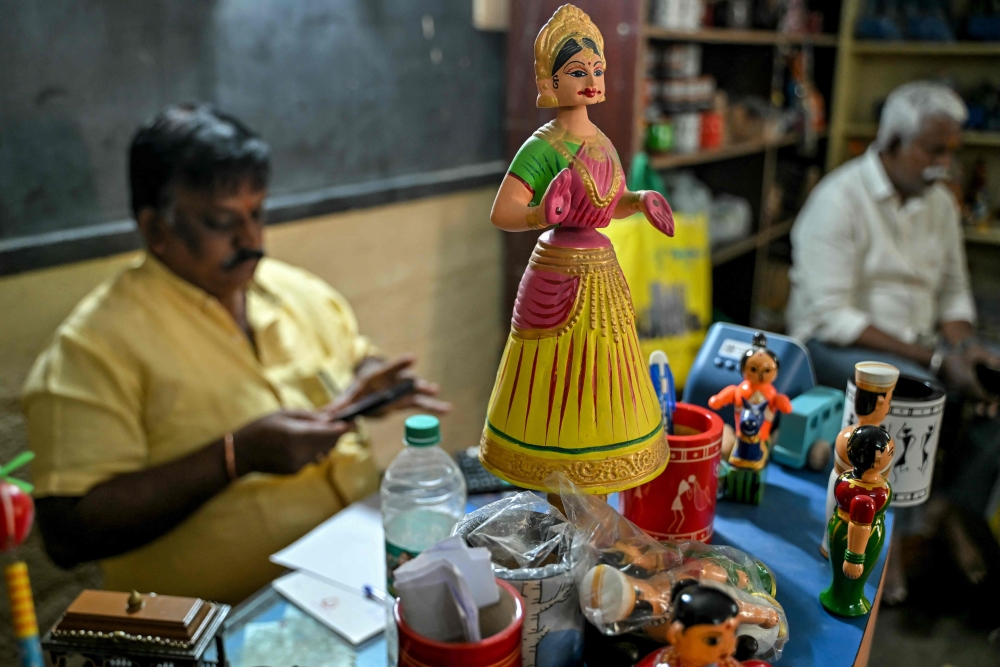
(242, 255)
(932, 174)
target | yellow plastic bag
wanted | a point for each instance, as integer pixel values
(671, 284)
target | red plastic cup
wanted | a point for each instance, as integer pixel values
(500, 624)
(680, 504)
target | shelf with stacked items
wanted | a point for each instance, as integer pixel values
(976, 138)
(987, 236)
(734, 36)
(727, 152)
(912, 48)
(731, 251)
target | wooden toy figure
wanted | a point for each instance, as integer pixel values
(702, 630)
(572, 393)
(857, 527)
(874, 382)
(17, 512)
(755, 401)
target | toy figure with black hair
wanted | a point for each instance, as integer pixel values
(874, 383)
(702, 630)
(755, 402)
(614, 598)
(857, 527)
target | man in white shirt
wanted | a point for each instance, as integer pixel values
(879, 272)
(879, 268)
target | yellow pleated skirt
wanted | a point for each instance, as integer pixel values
(577, 398)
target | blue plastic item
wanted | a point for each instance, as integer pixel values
(815, 418)
(718, 365)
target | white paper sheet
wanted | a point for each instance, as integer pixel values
(347, 549)
(344, 611)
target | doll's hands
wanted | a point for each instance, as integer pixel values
(558, 199)
(853, 570)
(657, 211)
(760, 615)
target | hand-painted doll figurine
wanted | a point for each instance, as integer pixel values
(755, 402)
(857, 528)
(572, 393)
(874, 383)
(609, 597)
(702, 630)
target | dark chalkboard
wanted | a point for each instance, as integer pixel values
(354, 96)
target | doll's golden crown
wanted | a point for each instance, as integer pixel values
(568, 21)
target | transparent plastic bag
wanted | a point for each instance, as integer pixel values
(522, 532)
(530, 543)
(625, 576)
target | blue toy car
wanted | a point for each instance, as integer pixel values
(807, 433)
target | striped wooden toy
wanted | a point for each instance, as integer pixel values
(22, 608)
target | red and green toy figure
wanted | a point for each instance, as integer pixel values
(857, 527)
(755, 402)
(18, 511)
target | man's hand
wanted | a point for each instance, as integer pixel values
(284, 442)
(375, 375)
(958, 370)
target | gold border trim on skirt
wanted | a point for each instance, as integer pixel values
(595, 473)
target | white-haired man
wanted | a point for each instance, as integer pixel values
(878, 262)
(879, 272)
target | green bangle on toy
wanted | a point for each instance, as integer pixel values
(856, 558)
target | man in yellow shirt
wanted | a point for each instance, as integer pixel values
(181, 416)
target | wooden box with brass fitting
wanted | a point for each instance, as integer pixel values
(111, 629)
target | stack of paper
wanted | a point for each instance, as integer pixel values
(334, 563)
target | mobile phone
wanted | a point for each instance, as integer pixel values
(375, 401)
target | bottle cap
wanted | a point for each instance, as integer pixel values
(422, 431)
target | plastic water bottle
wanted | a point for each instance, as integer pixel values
(423, 495)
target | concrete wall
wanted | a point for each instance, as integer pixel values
(423, 277)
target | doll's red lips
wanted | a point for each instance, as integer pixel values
(589, 92)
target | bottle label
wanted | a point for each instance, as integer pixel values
(394, 557)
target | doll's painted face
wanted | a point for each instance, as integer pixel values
(882, 408)
(760, 368)
(704, 644)
(883, 457)
(577, 75)
(580, 81)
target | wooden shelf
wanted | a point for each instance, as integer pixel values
(731, 251)
(969, 137)
(730, 36)
(741, 149)
(904, 48)
(983, 236)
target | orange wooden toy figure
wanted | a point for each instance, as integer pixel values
(755, 402)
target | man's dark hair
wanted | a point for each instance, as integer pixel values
(570, 49)
(195, 146)
(866, 401)
(696, 604)
(862, 445)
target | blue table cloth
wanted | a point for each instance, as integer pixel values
(784, 531)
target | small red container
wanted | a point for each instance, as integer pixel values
(680, 504)
(501, 622)
(712, 129)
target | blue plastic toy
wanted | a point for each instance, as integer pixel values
(811, 426)
(718, 365)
